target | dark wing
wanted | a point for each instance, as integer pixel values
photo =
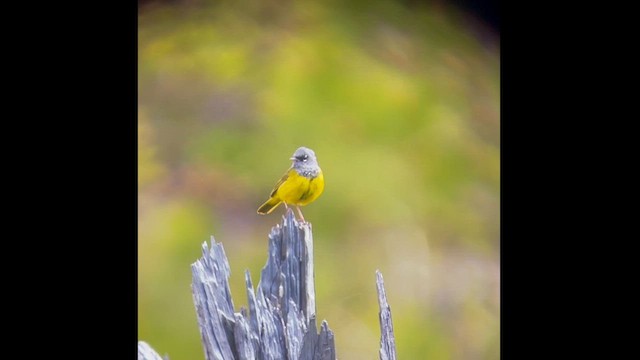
(280, 182)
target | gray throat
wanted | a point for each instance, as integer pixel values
(309, 172)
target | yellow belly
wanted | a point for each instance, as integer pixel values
(299, 190)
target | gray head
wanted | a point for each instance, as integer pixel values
(305, 162)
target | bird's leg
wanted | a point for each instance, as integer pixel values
(286, 208)
(300, 213)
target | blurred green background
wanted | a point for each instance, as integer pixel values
(401, 105)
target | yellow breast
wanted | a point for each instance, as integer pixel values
(299, 190)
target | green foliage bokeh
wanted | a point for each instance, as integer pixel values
(401, 105)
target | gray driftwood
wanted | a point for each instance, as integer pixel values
(280, 322)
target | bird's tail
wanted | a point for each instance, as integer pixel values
(268, 206)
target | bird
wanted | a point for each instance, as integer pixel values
(302, 184)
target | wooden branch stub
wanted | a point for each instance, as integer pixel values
(145, 352)
(387, 340)
(280, 322)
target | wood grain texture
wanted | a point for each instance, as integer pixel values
(280, 322)
(387, 339)
(145, 352)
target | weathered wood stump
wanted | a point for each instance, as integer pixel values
(280, 322)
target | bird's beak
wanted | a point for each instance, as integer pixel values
(292, 158)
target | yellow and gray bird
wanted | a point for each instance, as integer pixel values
(299, 186)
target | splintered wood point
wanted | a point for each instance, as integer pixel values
(387, 340)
